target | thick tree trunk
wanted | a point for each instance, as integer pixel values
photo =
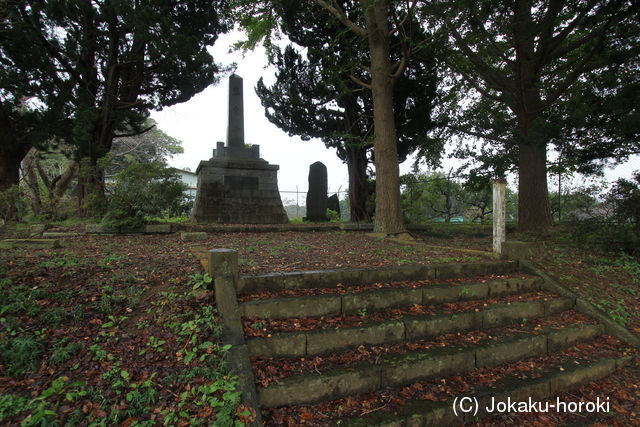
(358, 189)
(534, 211)
(11, 154)
(64, 180)
(91, 189)
(57, 186)
(388, 217)
(31, 177)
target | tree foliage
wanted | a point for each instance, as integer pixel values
(625, 198)
(120, 59)
(317, 95)
(529, 70)
(373, 22)
(33, 96)
(143, 189)
(153, 146)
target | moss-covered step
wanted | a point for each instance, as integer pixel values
(381, 299)
(441, 413)
(357, 276)
(399, 369)
(315, 342)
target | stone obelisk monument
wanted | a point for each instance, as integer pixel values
(236, 186)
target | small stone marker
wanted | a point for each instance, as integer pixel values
(499, 212)
(333, 203)
(317, 194)
(193, 236)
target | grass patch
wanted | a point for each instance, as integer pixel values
(20, 354)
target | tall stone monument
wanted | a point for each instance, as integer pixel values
(317, 194)
(236, 186)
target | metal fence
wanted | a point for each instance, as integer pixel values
(295, 201)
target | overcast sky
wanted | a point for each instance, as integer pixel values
(202, 121)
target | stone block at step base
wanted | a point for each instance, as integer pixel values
(158, 228)
(356, 226)
(99, 229)
(32, 243)
(149, 229)
(279, 346)
(511, 350)
(368, 226)
(515, 249)
(59, 234)
(193, 236)
(35, 229)
(419, 227)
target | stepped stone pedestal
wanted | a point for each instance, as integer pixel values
(236, 186)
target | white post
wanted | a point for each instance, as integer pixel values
(499, 212)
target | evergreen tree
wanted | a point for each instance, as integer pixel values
(536, 73)
(316, 94)
(123, 58)
(376, 23)
(33, 95)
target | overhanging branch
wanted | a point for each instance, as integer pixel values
(124, 135)
(335, 10)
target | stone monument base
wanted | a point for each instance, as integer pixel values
(238, 191)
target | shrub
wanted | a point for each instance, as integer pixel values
(333, 215)
(20, 354)
(63, 350)
(143, 189)
(607, 237)
(625, 199)
(10, 203)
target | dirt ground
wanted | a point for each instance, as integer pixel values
(107, 326)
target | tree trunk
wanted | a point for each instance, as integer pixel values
(31, 177)
(388, 217)
(57, 186)
(64, 180)
(534, 210)
(91, 189)
(358, 189)
(11, 154)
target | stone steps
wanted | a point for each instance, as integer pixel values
(335, 278)
(363, 335)
(406, 329)
(402, 369)
(547, 386)
(380, 299)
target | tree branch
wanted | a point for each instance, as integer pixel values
(579, 69)
(47, 44)
(43, 175)
(480, 135)
(342, 17)
(473, 82)
(359, 82)
(124, 135)
(492, 77)
(402, 66)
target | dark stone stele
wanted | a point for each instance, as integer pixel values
(236, 186)
(333, 203)
(317, 194)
